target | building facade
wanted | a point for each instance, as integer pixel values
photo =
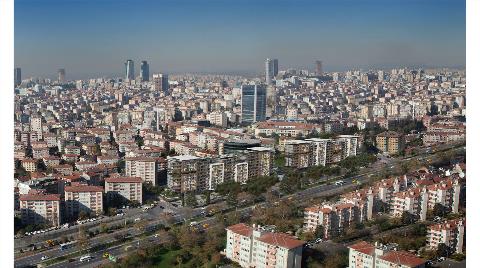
(258, 247)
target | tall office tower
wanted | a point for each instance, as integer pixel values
(160, 82)
(18, 76)
(380, 76)
(61, 75)
(275, 67)
(254, 103)
(268, 71)
(129, 70)
(319, 66)
(144, 71)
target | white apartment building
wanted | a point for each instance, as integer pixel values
(218, 118)
(366, 255)
(130, 188)
(37, 126)
(83, 198)
(39, 208)
(143, 167)
(450, 233)
(257, 247)
(413, 201)
(334, 218)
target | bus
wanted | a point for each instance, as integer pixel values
(67, 245)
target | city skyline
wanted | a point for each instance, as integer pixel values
(295, 34)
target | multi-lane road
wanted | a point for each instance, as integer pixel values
(153, 217)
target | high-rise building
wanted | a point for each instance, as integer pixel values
(160, 82)
(129, 70)
(319, 67)
(268, 71)
(144, 71)
(18, 76)
(275, 67)
(254, 103)
(61, 75)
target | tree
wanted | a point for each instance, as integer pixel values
(191, 200)
(82, 238)
(443, 250)
(439, 210)
(407, 218)
(83, 215)
(320, 232)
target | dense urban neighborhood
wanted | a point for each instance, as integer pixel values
(295, 168)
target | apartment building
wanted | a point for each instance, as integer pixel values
(289, 129)
(446, 193)
(143, 167)
(191, 173)
(127, 188)
(259, 247)
(187, 173)
(260, 161)
(319, 152)
(298, 154)
(40, 208)
(334, 218)
(366, 255)
(85, 198)
(413, 201)
(218, 118)
(451, 233)
(30, 165)
(390, 142)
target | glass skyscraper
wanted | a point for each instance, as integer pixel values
(144, 71)
(254, 103)
(18, 76)
(129, 71)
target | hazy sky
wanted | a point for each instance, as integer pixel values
(95, 37)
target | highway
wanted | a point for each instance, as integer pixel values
(153, 216)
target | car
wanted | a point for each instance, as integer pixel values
(45, 257)
(106, 255)
(156, 235)
(137, 219)
(441, 259)
(86, 258)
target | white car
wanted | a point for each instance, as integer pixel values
(45, 257)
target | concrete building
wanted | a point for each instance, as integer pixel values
(366, 255)
(40, 208)
(258, 247)
(83, 198)
(127, 188)
(218, 118)
(142, 167)
(390, 142)
(298, 154)
(451, 233)
(160, 83)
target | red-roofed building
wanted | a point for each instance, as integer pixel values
(258, 247)
(366, 255)
(451, 233)
(40, 208)
(83, 198)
